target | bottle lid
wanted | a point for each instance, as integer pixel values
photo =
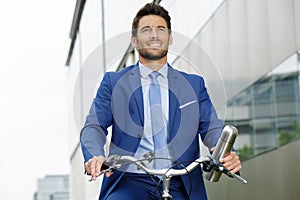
(229, 134)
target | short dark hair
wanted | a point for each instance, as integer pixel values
(150, 9)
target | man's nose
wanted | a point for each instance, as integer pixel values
(154, 33)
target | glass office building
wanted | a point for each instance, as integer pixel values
(267, 113)
(248, 53)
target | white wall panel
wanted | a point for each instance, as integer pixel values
(188, 16)
(234, 75)
(258, 39)
(238, 38)
(297, 21)
(90, 27)
(282, 30)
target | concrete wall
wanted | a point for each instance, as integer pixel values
(274, 175)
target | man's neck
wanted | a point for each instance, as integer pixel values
(154, 65)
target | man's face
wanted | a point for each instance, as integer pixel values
(153, 38)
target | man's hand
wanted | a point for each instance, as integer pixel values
(232, 162)
(93, 167)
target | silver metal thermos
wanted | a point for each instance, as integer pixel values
(223, 147)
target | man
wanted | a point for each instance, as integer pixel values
(147, 93)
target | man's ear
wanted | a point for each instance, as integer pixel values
(171, 39)
(133, 41)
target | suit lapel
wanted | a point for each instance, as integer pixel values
(173, 98)
(135, 85)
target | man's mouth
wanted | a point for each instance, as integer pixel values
(154, 44)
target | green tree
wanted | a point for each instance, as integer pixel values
(285, 136)
(245, 152)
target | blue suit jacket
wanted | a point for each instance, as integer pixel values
(119, 102)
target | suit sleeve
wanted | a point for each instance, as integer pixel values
(210, 126)
(93, 134)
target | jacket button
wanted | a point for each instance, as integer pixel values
(139, 135)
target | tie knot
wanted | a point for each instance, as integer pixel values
(154, 75)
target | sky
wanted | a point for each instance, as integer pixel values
(34, 43)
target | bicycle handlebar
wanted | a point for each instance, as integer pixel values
(115, 162)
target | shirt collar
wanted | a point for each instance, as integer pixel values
(145, 71)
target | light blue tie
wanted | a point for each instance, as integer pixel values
(158, 123)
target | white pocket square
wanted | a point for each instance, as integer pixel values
(187, 104)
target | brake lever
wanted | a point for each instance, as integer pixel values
(109, 169)
(218, 166)
(207, 166)
(223, 169)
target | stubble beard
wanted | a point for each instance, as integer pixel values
(144, 53)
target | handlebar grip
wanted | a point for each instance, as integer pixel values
(104, 166)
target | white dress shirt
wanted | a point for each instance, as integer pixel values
(147, 144)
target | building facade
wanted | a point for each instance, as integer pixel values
(53, 187)
(248, 53)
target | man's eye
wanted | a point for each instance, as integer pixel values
(144, 30)
(162, 29)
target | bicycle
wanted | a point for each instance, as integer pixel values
(115, 162)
